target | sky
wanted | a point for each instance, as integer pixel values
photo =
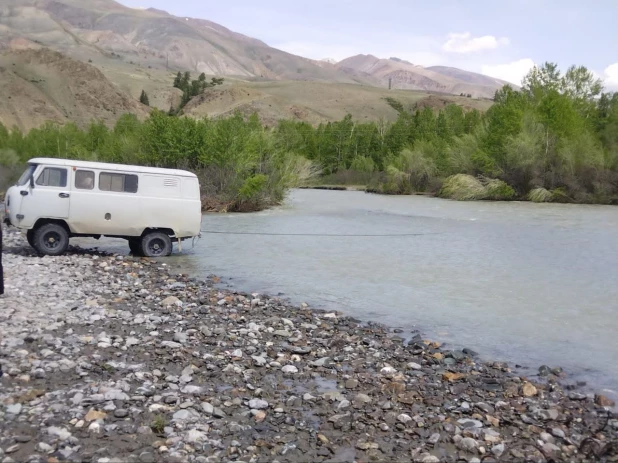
(500, 38)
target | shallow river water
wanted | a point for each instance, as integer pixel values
(526, 283)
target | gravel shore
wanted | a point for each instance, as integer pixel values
(117, 359)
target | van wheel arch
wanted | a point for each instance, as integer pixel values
(39, 223)
(167, 231)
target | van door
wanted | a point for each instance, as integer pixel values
(50, 197)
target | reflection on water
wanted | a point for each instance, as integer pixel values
(529, 283)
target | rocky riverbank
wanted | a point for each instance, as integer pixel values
(117, 359)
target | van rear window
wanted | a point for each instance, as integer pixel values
(123, 183)
(84, 179)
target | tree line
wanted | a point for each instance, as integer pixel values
(554, 140)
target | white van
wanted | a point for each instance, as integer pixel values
(56, 199)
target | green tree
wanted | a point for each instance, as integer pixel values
(178, 80)
(143, 99)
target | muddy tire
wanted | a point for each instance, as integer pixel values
(156, 244)
(51, 240)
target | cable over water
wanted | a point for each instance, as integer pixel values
(215, 232)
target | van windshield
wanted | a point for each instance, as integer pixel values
(26, 175)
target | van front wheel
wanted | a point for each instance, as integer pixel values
(51, 240)
(156, 244)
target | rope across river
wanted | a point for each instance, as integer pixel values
(216, 232)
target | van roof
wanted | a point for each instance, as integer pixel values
(110, 166)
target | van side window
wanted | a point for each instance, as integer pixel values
(123, 183)
(84, 179)
(53, 176)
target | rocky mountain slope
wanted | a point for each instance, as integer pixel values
(83, 28)
(405, 75)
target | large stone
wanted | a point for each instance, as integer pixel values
(171, 300)
(258, 404)
(528, 390)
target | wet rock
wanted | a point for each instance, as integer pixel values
(603, 401)
(121, 413)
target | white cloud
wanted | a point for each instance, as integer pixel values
(610, 77)
(465, 43)
(512, 72)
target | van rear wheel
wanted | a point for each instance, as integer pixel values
(51, 239)
(156, 244)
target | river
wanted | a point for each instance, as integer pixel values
(526, 283)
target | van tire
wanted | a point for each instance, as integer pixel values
(51, 239)
(135, 245)
(156, 244)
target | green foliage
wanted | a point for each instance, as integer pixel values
(395, 104)
(498, 190)
(191, 88)
(559, 134)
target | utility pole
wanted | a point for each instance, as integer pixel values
(390, 82)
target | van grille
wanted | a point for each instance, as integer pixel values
(171, 182)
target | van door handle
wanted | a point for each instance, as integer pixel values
(64, 195)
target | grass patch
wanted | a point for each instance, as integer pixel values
(158, 424)
(540, 195)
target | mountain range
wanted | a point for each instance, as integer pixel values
(135, 49)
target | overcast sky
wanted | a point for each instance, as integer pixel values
(501, 38)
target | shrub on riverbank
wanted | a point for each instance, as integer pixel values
(462, 187)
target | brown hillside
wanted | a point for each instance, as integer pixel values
(42, 85)
(314, 102)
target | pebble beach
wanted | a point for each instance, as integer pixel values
(111, 359)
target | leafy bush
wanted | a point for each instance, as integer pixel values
(498, 190)
(462, 187)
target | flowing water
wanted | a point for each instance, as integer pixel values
(526, 283)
